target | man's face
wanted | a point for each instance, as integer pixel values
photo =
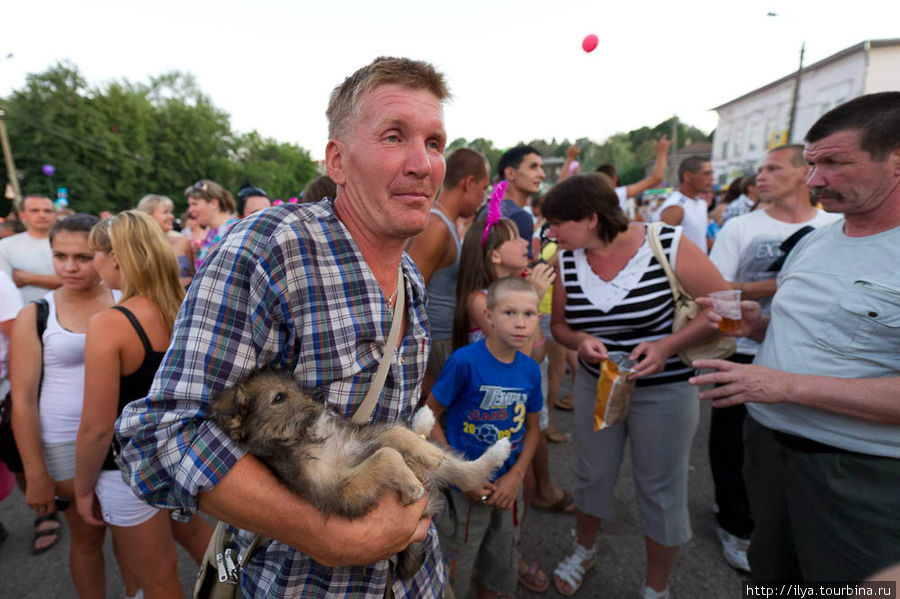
(38, 214)
(202, 210)
(389, 166)
(702, 180)
(778, 177)
(255, 204)
(515, 318)
(473, 198)
(527, 178)
(845, 178)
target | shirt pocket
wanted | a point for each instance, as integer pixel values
(864, 322)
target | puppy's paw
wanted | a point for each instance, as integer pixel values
(411, 493)
(423, 421)
(499, 451)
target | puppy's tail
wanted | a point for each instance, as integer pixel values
(470, 475)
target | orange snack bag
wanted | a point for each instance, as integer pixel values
(613, 390)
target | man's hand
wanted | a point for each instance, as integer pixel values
(753, 323)
(380, 534)
(742, 383)
(21, 277)
(572, 152)
(662, 145)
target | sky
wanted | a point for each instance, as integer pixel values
(516, 68)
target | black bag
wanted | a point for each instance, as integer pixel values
(9, 453)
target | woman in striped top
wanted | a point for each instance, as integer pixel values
(614, 296)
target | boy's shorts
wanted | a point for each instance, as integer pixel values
(474, 533)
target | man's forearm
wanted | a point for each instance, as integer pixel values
(876, 400)
(23, 278)
(751, 290)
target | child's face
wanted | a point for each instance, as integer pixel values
(512, 255)
(515, 318)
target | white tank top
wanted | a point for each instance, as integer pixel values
(62, 389)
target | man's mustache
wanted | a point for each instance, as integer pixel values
(819, 192)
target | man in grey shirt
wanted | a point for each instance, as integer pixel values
(823, 395)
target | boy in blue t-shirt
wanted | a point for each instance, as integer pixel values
(490, 390)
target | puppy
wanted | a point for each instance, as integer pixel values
(340, 467)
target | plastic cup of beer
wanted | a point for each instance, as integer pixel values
(727, 304)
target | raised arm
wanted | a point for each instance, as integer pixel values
(656, 176)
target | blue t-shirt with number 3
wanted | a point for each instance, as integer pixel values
(487, 400)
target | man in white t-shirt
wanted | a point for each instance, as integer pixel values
(822, 433)
(745, 251)
(27, 258)
(683, 207)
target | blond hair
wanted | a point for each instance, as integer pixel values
(149, 202)
(148, 263)
(344, 105)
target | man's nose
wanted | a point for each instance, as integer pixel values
(417, 162)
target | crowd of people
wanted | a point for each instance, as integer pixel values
(123, 329)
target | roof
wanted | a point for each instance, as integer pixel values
(860, 47)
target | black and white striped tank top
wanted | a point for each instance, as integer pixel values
(644, 314)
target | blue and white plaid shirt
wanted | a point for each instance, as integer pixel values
(287, 287)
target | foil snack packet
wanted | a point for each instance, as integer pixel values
(613, 390)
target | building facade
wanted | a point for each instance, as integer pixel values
(757, 121)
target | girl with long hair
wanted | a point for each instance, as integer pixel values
(47, 376)
(125, 345)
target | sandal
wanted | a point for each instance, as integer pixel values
(571, 570)
(566, 403)
(565, 504)
(47, 532)
(556, 436)
(534, 579)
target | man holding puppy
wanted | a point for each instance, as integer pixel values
(310, 289)
(822, 437)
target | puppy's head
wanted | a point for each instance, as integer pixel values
(264, 411)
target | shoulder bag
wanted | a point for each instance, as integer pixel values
(686, 309)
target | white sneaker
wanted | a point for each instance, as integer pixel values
(734, 550)
(648, 593)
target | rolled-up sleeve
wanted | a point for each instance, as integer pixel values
(233, 319)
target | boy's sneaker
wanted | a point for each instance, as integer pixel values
(648, 593)
(734, 550)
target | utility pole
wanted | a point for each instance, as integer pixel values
(8, 158)
(793, 114)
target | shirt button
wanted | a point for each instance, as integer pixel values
(873, 314)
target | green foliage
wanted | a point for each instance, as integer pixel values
(627, 151)
(112, 145)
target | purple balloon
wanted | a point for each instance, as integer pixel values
(48, 169)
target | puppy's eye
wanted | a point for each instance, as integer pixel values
(278, 398)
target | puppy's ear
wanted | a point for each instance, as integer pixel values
(227, 409)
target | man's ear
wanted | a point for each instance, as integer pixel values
(334, 161)
(468, 183)
(509, 173)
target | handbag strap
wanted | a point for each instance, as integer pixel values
(364, 412)
(656, 246)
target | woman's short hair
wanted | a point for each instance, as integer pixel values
(580, 196)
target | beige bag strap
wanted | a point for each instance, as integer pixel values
(656, 246)
(214, 552)
(364, 412)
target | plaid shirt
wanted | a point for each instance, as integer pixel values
(287, 287)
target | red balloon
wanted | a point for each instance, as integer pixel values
(590, 43)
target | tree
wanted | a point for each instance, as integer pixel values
(112, 145)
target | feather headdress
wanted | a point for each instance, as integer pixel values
(493, 214)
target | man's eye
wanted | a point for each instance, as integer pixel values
(392, 138)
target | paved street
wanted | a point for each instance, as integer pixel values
(699, 573)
